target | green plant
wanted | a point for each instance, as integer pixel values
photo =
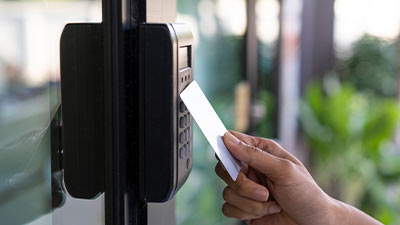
(350, 119)
(371, 66)
(350, 134)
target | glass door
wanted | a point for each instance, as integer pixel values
(31, 182)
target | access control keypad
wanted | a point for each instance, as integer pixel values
(185, 126)
(166, 130)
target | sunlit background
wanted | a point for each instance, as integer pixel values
(341, 123)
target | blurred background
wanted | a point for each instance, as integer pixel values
(320, 76)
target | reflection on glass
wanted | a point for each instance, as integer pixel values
(29, 98)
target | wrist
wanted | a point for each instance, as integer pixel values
(342, 213)
(334, 211)
(326, 212)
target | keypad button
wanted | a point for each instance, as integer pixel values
(186, 120)
(181, 137)
(182, 107)
(186, 149)
(189, 118)
(188, 132)
(182, 152)
(185, 134)
(188, 163)
(182, 122)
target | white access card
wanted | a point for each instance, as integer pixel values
(210, 124)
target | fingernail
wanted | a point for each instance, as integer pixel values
(274, 209)
(232, 138)
(261, 195)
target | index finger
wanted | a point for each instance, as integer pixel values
(264, 162)
(265, 144)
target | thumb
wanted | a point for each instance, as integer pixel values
(272, 166)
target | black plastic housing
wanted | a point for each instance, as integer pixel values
(166, 68)
(83, 109)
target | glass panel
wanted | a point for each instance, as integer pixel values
(218, 28)
(29, 99)
(219, 33)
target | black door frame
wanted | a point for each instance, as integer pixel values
(124, 198)
(123, 203)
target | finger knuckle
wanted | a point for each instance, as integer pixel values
(225, 194)
(288, 166)
(241, 188)
(255, 141)
(258, 209)
(225, 210)
(273, 143)
(253, 152)
(241, 178)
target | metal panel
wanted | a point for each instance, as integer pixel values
(161, 213)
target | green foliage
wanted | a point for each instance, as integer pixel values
(372, 66)
(265, 127)
(350, 125)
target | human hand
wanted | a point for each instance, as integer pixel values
(295, 197)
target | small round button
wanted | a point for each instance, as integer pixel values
(181, 137)
(186, 120)
(188, 163)
(182, 152)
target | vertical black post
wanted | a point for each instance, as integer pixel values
(124, 198)
(112, 66)
(135, 205)
(124, 204)
(316, 51)
(317, 56)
